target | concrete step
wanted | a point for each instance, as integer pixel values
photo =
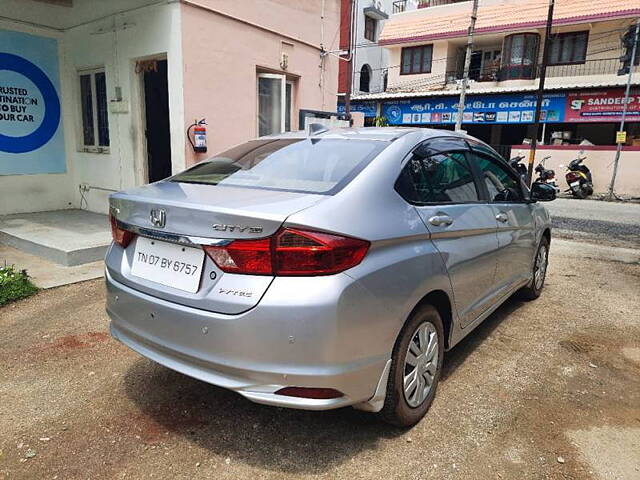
(65, 237)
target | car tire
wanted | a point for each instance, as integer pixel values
(404, 409)
(534, 288)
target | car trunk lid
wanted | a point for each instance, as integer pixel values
(196, 214)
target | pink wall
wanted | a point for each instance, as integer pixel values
(225, 43)
(600, 162)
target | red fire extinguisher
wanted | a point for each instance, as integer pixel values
(199, 142)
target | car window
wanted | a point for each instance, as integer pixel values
(482, 148)
(442, 178)
(502, 184)
(300, 165)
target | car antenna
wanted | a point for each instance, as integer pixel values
(316, 129)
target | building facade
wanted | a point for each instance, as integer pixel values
(583, 101)
(98, 96)
(369, 59)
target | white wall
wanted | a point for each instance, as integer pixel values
(375, 56)
(114, 42)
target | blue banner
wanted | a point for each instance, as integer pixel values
(487, 109)
(31, 137)
(369, 108)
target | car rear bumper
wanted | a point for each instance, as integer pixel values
(317, 344)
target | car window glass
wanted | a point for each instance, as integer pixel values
(502, 185)
(442, 178)
(482, 148)
(301, 165)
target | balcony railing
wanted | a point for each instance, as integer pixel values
(605, 66)
(399, 6)
(435, 3)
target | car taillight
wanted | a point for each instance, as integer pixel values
(243, 256)
(290, 252)
(121, 236)
(298, 252)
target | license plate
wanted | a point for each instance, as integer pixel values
(574, 184)
(168, 264)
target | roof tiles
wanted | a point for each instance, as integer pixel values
(499, 16)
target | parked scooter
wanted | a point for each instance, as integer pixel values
(546, 175)
(578, 177)
(520, 168)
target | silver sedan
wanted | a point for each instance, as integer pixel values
(325, 270)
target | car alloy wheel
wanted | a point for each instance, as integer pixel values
(421, 364)
(416, 366)
(541, 266)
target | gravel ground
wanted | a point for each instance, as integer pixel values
(547, 389)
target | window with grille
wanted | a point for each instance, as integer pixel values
(568, 48)
(370, 28)
(94, 114)
(519, 57)
(416, 60)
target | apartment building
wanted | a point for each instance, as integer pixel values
(369, 60)
(426, 41)
(98, 96)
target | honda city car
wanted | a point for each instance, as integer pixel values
(326, 269)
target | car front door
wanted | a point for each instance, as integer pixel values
(516, 227)
(462, 226)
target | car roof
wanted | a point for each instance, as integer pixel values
(388, 134)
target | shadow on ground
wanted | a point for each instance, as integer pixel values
(277, 439)
(456, 356)
(226, 424)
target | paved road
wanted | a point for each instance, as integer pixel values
(610, 223)
(541, 390)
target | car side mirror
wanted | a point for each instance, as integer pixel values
(542, 192)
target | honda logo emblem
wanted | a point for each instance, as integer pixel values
(158, 217)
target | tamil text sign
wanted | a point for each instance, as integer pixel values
(486, 109)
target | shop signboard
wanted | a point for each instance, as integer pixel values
(602, 106)
(31, 137)
(369, 108)
(485, 109)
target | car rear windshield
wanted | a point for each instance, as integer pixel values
(306, 165)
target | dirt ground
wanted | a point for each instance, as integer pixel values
(547, 389)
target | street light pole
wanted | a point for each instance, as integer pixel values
(611, 195)
(540, 97)
(347, 93)
(467, 63)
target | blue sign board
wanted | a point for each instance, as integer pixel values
(486, 109)
(31, 136)
(369, 108)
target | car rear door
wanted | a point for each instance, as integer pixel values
(516, 225)
(462, 226)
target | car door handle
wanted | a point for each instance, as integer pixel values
(438, 220)
(502, 217)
